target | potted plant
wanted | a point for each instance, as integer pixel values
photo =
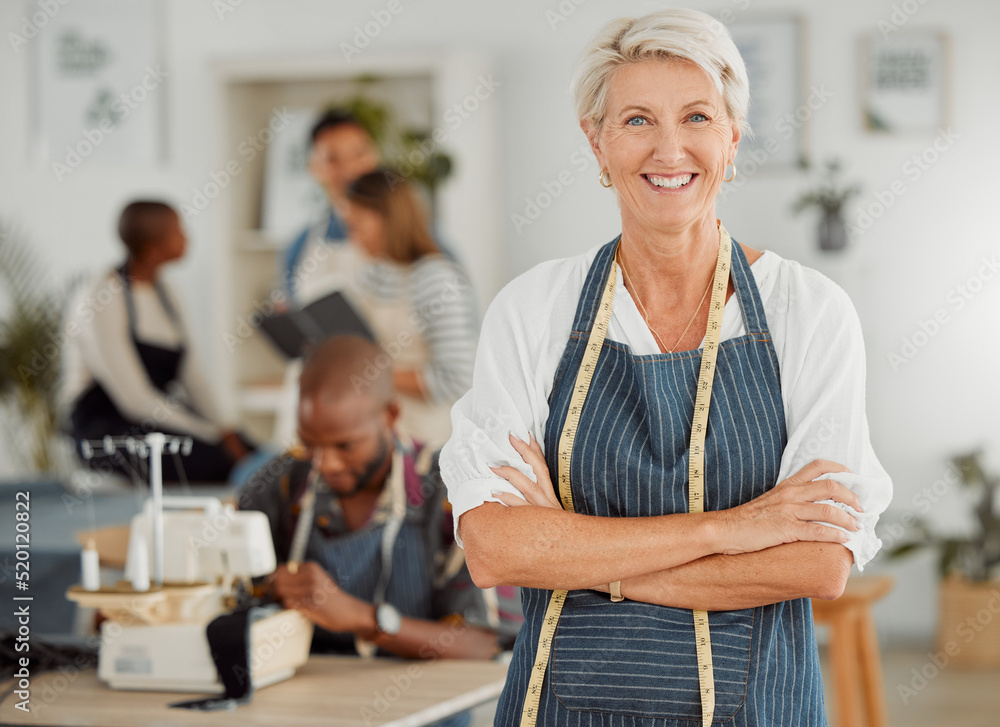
(411, 151)
(830, 198)
(30, 349)
(969, 618)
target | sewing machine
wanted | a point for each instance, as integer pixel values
(155, 639)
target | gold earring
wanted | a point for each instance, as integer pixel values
(610, 182)
(734, 172)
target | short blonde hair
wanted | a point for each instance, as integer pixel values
(680, 34)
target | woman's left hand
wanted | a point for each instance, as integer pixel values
(540, 492)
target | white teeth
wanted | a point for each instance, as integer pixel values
(671, 182)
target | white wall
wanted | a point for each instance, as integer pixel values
(900, 272)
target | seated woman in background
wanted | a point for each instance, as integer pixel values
(130, 364)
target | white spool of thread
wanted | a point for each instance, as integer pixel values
(90, 567)
(138, 562)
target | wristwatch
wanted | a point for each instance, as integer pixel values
(387, 619)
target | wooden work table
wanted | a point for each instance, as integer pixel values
(333, 691)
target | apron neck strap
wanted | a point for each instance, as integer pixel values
(747, 293)
(124, 272)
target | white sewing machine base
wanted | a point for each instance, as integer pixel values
(174, 657)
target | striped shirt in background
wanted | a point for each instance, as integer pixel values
(442, 295)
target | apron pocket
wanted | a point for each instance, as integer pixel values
(635, 658)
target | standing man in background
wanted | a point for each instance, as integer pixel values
(341, 150)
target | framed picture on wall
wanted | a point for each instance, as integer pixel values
(290, 196)
(99, 85)
(905, 84)
(773, 48)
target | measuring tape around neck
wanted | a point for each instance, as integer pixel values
(696, 471)
(696, 457)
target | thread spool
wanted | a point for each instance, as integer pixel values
(90, 567)
(138, 562)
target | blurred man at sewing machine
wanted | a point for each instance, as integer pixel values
(379, 567)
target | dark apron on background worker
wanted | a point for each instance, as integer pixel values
(633, 664)
(95, 416)
(356, 561)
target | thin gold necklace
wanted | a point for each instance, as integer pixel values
(645, 316)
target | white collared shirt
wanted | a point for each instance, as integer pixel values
(816, 335)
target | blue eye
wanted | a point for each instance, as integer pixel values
(631, 121)
(698, 117)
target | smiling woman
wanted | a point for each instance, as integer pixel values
(667, 394)
(664, 143)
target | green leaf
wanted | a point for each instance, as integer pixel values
(951, 548)
(904, 549)
(30, 347)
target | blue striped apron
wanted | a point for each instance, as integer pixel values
(633, 664)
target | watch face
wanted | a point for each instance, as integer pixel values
(388, 619)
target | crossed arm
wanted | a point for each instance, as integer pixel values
(770, 549)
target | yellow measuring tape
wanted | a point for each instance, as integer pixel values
(696, 457)
(696, 472)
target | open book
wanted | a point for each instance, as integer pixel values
(294, 331)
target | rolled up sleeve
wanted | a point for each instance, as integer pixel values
(484, 417)
(823, 386)
(520, 345)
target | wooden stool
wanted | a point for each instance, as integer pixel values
(854, 654)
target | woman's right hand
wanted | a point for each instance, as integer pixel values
(791, 512)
